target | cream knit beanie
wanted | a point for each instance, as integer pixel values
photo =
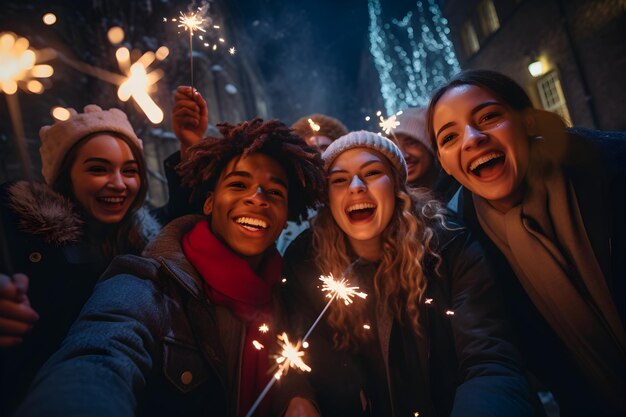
(368, 140)
(413, 124)
(58, 139)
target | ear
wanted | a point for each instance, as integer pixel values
(208, 204)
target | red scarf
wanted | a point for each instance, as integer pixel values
(232, 283)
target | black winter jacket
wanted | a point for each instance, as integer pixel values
(465, 365)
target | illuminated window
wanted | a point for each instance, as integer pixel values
(551, 94)
(488, 17)
(470, 40)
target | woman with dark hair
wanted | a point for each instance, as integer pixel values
(64, 233)
(429, 339)
(548, 203)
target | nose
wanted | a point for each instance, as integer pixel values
(472, 137)
(357, 185)
(116, 181)
(257, 198)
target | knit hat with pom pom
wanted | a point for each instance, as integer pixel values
(58, 139)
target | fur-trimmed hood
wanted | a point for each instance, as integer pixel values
(44, 212)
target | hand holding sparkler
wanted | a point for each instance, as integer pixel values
(16, 315)
(190, 118)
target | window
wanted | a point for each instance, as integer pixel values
(551, 94)
(470, 40)
(488, 17)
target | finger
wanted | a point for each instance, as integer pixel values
(21, 282)
(7, 287)
(185, 111)
(184, 91)
(14, 327)
(9, 341)
(10, 309)
(199, 100)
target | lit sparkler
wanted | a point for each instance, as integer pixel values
(264, 328)
(314, 126)
(289, 357)
(193, 22)
(340, 288)
(387, 125)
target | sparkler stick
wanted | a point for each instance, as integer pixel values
(193, 21)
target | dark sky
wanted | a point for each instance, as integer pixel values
(310, 53)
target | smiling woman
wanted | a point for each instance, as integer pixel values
(430, 337)
(64, 233)
(549, 205)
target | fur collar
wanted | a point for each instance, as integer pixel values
(44, 212)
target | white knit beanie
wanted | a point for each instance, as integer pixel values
(58, 139)
(413, 124)
(368, 140)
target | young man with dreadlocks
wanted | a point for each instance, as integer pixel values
(175, 332)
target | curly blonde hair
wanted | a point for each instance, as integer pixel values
(399, 283)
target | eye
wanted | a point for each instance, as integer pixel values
(337, 180)
(97, 169)
(488, 117)
(373, 172)
(276, 192)
(237, 185)
(131, 171)
(447, 138)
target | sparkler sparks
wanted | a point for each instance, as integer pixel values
(387, 125)
(264, 328)
(289, 357)
(18, 65)
(340, 289)
(314, 126)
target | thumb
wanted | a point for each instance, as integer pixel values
(21, 283)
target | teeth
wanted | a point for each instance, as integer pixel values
(112, 199)
(360, 206)
(249, 221)
(483, 159)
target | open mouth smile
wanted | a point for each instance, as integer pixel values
(487, 164)
(251, 223)
(111, 201)
(361, 211)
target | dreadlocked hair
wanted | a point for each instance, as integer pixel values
(399, 283)
(209, 158)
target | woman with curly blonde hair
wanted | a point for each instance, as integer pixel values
(429, 339)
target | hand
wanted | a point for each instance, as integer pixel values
(301, 407)
(16, 315)
(190, 118)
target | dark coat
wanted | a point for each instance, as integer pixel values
(148, 343)
(595, 163)
(48, 242)
(465, 365)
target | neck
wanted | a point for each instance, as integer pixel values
(370, 250)
(254, 262)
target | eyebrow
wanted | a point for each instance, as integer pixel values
(365, 164)
(246, 174)
(473, 112)
(106, 161)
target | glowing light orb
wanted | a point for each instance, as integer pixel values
(115, 35)
(49, 19)
(60, 113)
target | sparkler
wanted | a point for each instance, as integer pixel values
(386, 124)
(19, 68)
(291, 356)
(192, 22)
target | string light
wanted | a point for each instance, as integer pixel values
(413, 55)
